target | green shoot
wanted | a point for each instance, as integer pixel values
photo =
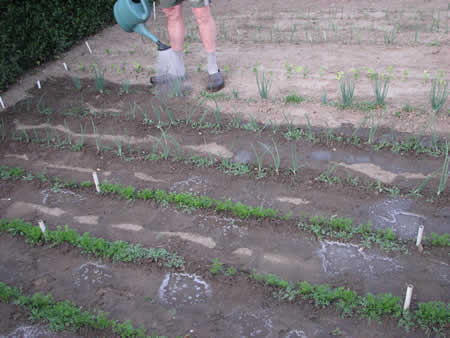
(444, 174)
(264, 84)
(347, 87)
(76, 82)
(381, 87)
(259, 161)
(294, 160)
(99, 78)
(275, 155)
(439, 94)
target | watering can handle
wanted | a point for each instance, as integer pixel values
(147, 9)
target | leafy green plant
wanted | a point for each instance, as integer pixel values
(294, 98)
(216, 266)
(63, 315)
(433, 317)
(118, 251)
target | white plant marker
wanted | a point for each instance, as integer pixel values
(65, 67)
(38, 84)
(419, 235)
(97, 184)
(154, 10)
(43, 228)
(88, 47)
(408, 296)
(1, 101)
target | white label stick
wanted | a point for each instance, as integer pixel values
(408, 296)
(65, 66)
(97, 183)
(1, 102)
(42, 226)
(154, 10)
(88, 47)
(39, 84)
(419, 235)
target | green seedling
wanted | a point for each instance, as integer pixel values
(444, 174)
(99, 76)
(216, 266)
(438, 94)
(275, 155)
(259, 161)
(263, 82)
(347, 87)
(294, 98)
(380, 84)
(294, 160)
(125, 89)
(76, 82)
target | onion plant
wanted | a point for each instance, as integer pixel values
(347, 87)
(275, 155)
(259, 161)
(263, 82)
(439, 94)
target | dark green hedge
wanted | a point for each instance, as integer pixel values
(34, 31)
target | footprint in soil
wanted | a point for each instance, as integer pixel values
(183, 289)
(89, 277)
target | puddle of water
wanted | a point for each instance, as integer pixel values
(398, 216)
(30, 332)
(184, 289)
(91, 276)
(338, 258)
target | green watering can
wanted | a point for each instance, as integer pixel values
(131, 15)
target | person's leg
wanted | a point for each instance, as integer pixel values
(207, 28)
(170, 63)
(175, 26)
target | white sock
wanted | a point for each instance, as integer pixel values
(212, 63)
(178, 67)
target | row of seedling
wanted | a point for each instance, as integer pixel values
(240, 210)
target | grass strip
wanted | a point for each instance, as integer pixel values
(118, 251)
(432, 317)
(65, 315)
(338, 228)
